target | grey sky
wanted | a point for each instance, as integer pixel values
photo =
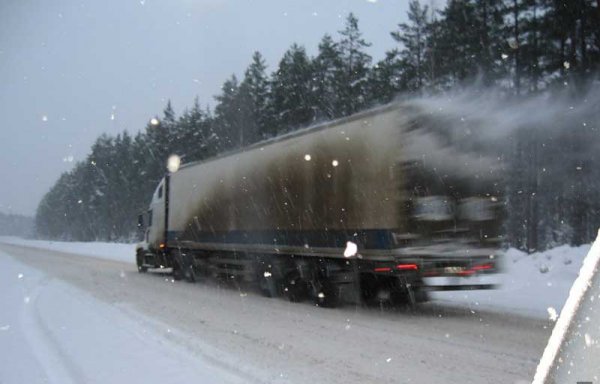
(66, 67)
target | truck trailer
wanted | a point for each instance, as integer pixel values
(364, 208)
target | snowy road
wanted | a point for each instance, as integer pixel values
(205, 333)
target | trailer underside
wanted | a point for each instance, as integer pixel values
(377, 276)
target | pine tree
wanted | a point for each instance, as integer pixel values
(327, 79)
(161, 137)
(293, 99)
(142, 183)
(515, 44)
(570, 34)
(533, 43)
(195, 140)
(387, 79)
(255, 94)
(354, 70)
(455, 41)
(102, 159)
(413, 37)
(468, 42)
(490, 23)
(229, 123)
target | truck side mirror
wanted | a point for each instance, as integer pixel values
(140, 222)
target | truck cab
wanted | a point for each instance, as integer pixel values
(151, 228)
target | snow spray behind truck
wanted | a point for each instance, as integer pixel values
(364, 208)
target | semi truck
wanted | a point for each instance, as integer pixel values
(364, 208)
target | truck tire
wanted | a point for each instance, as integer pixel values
(177, 273)
(267, 284)
(420, 295)
(409, 294)
(326, 294)
(183, 267)
(139, 260)
(369, 289)
(294, 288)
(190, 274)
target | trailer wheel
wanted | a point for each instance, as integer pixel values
(407, 293)
(190, 274)
(267, 284)
(294, 288)
(326, 294)
(369, 289)
(139, 260)
(382, 291)
(185, 267)
(420, 295)
(177, 272)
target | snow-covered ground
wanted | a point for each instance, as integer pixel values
(110, 251)
(150, 316)
(52, 332)
(530, 284)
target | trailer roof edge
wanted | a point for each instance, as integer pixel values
(300, 132)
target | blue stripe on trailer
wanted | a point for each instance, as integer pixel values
(365, 239)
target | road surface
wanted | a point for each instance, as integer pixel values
(270, 340)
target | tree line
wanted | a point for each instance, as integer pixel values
(16, 225)
(520, 47)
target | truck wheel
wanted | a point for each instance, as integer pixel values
(369, 289)
(187, 262)
(408, 297)
(294, 288)
(420, 295)
(408, 294)
(267, 284)
(139, 259)
(190, 274)
(177, 273)
(326, 294)
(183, 267)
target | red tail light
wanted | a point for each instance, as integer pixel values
(406, 267)
(482, 267)
(476, 268)
(399, 267)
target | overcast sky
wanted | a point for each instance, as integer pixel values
(71, 70)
